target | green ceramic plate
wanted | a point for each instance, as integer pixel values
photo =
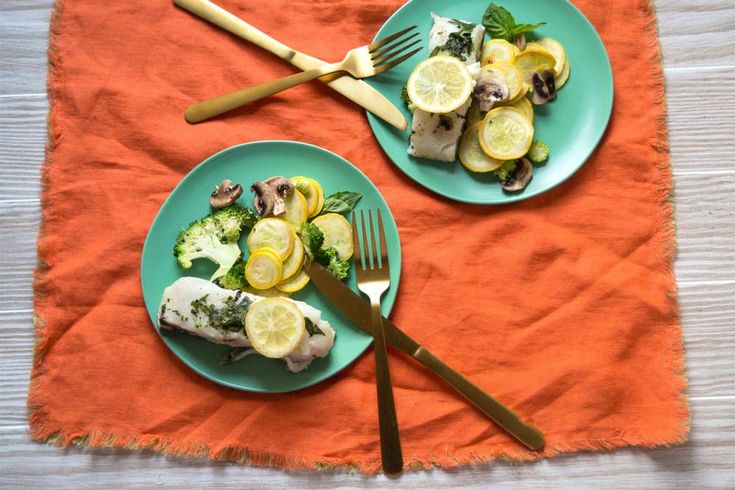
(247, 163)
(572, 125)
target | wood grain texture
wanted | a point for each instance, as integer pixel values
(699, 65)
(704, 462)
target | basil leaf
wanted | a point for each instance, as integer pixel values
(341, 202)
(312, 329)
(498, 22)
(521, 28)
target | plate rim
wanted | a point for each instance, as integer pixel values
(511, 198)
(389, 305)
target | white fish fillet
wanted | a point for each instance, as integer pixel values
(176, 313)
(436, 136)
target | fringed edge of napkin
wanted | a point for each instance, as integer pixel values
(44, 430)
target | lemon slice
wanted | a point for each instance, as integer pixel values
(498, 50)
(295, 283)
(296, 209)
(337, 233)
(533, 60)
(510, 75)
(557, 51)
(273, 233)
(439, 84)
(292, 264)
(312, 192)
(263, 269)
(274, 326)
(562, 79)
(505, 133)
(471, 154)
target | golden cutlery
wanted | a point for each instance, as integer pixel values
(357, 310)
(365, 61)
(356, 90)
(373, 279)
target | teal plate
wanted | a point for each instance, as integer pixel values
(245, 164)
(572, 125)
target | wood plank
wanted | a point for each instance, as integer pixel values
(705, 461)
(707, 314)
(690, 36)
(696, 33)
(22, 143)
(23, 45)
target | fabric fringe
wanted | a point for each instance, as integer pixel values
(667, 221)
(43, 430)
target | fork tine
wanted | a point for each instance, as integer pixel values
(388, 39)
(380, 52)
(392, 54)
(376, 253)
(366, 251)
(383, 245)
(385, 67)
(357, 257)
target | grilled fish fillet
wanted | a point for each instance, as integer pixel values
(436, 136)
(202, 308)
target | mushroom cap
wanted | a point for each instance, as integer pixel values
(544, 87)
(269, 195)
(281, 184)
(225, 194)
(489, 90)
(265, 198)
(520, 177)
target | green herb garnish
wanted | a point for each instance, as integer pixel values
(500, 23)
(230, 317)
(311, 328)
(341, 202)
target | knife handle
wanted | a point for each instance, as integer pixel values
(527, 434)
(235, 25)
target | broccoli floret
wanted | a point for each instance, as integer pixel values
(538, 152)
(504, 170)
(214, 237)
(234, 219)
(312, 238)
(235, 277)
(329, 258)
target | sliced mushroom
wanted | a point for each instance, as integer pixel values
(265, 198)
(520, 41)
(282, 185)
(489, 90)
(544, 87)
(269, 195)
(225, 194)
(520, 177)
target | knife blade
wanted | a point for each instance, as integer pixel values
(357, 310)
(356, 90)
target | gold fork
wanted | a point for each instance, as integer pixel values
(365, 61)
(373, 279)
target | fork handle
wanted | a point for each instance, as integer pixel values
(390, 442)
(207, 109)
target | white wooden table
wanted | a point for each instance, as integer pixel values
(699, 60)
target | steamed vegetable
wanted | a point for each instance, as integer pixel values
(538, 152)
(214, 237)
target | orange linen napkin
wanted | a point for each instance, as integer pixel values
(564, 308)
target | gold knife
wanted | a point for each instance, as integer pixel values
(358, 311)
(355, 90)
